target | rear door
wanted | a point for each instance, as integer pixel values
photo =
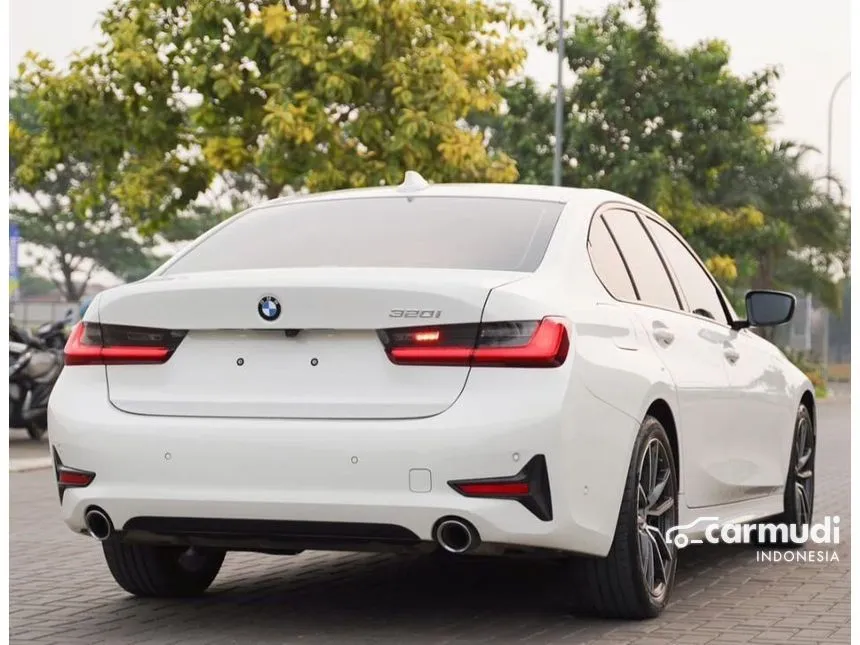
(283, 313)
(749, 466)
(691, 348)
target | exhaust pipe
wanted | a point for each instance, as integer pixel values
(98, 524)
(456, 535)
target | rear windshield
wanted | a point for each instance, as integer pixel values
(418, 232)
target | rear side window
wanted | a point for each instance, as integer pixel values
(607, 262)
(389, 232)
(694, 281)
(652, 281)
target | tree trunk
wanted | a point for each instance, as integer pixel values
(764, 280)
(764, 275)
(273, 191)
(68, 285)
(72, 292)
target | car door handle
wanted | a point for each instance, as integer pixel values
(664, 336)
(731, 355)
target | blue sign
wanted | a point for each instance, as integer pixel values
(14, 276)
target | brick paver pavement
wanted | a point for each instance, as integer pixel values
(61, 591)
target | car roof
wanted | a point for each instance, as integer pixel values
(585, 199)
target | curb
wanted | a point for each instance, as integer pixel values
(33, 463)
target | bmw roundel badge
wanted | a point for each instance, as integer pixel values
(269, 308)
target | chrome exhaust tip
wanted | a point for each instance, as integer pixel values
(456, 535)
(98, 524)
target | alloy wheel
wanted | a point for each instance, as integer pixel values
(804, 450)
(656, 514)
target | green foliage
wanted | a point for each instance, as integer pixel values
(812, 371)
(677, 130)
(523, 130)
(643, 110)
(134, 150)
(78, 234)
(75, 248)
(648, 120)
(183, 100)
(840, 325)
(806, 234)
(306, 95)
(32, 284)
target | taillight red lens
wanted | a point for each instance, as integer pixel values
(71, 477)
(493, 489)
(95, 344)
(543, 343)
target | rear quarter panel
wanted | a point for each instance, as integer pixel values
(613, 376)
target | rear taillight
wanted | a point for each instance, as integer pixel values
(543, 343)
(95, 344)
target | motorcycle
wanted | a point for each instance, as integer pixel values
(34, 368)
(53, 334)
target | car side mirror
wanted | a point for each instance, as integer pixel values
(767, 309)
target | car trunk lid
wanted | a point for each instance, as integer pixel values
(321, 357)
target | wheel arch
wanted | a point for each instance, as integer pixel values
(808, 399)
(660, 410)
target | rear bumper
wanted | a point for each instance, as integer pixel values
(276, 536)
(386, 472)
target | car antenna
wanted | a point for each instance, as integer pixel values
(413, 181)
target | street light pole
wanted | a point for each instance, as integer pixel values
(825, 354)
(830, 129)
(559, 99)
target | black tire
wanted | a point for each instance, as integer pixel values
(36, 430)
(798, 502)
(617, 586)
(152, 571)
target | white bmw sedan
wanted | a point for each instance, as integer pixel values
(468, 369)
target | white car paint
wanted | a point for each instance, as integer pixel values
(201, 436)
(359, 300)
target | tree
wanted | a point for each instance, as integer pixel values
(840, 327)
(642, 109)
(217, 206)
(804, 243)
(133, 150)
(32, 284)
(78, 236)
(523, 129)
(76, 248)
(677, 130)
(304, 94)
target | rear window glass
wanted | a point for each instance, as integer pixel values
(417, 232)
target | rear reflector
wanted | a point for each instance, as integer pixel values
(95, 344)
(529, 487)
(543, 343)
(70, 477)
(494, 489)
